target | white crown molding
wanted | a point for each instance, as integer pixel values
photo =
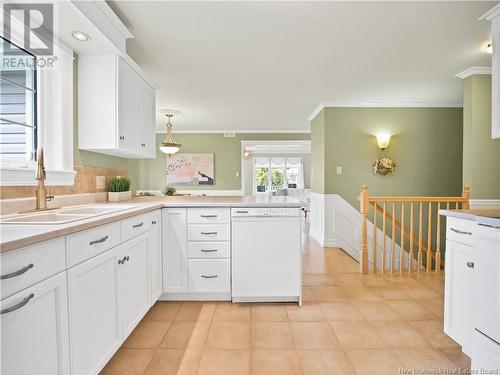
(473, 70)
(492, 13)
(241, 131)
(316, 111)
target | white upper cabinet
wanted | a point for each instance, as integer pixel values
(494, 16)
(116, 108)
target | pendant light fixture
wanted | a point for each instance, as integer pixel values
(169, 146)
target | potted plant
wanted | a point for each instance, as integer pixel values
(383, 166)
(169, 191)
(119, 189)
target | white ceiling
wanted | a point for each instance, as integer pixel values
(265, 66)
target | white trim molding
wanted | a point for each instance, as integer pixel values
(236, 132)
(473, 70)
(483, 203)
(316, 111)
(492, 13)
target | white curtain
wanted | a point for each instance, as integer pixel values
(279, 162)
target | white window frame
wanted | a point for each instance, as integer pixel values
(55, 121)
(269, 173)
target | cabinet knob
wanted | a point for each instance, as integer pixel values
(143, 144)
(470, 264)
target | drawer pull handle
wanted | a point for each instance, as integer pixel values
(100, 240)
(209, 233)
(209, 276)
(153, 222)
(208, 250)
(208, 216)
(460, 231)
(17, 273)
(127, 258)
(138, 225)
(18, 306)
(470, 264)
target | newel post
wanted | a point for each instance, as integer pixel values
(466, 196)
(363, 246)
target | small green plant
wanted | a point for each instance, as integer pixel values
(118, 184)
(169, 191)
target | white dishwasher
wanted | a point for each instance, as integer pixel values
(266, 254)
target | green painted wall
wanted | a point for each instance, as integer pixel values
(481, 154)
(227, 158)
(426, 146)
(318, 139)
(92, 159)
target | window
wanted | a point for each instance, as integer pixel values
(18, 99)
(271, 174)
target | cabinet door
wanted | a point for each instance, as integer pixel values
(156, 256)
(174, 223)
(35, 329)
(459, 265)
(147, 119)
(134, 281)
(127, 107)
(93, 313)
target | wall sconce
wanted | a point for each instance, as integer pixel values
(383, 140)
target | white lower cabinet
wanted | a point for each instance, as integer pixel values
(35, 329)
(174, 223)
(458, 294)
(156, 256)
(108, 296)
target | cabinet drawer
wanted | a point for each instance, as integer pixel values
(209, 276)
(208, 232)
(202, 250)
(209, 215)
(460, 230)
(87, 244)
(27, 266)
(134, 226)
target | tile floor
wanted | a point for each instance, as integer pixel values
(349, 324)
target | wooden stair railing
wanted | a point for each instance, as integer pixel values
(380, 206)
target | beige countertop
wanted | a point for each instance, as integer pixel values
(15, 236)
(487, 216)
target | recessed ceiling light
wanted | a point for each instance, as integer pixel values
(80, 35)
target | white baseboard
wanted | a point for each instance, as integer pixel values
(195, 297)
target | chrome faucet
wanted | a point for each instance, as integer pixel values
(41, 196)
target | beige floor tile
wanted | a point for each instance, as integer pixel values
(456, 356)
(232, 312)
(275, 362)
(436, 306)
(376, 311)
(182, 335)
(412, 310)
(329, 293)
(174, 362)
(390, 293)
(361, 293)
(308, 312)
(313, 335)
(399, 335)
(432, 330)
(373, 361)
(325, 362)
(268, 312)
(229, 335)
(196, 312)
(224, 362)
(340, 311)
(425, 358)
(307, 295)
(274, 335)
(317, 280)
(356, 335)
(348, 279)
(421, 293)
(147, 335)
(129, 362)
(163, 312)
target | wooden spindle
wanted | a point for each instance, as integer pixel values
(466, 196)
(419, 254)
(429, 238)
(375, 251)
(410, 252)
(437, 254)
(402, 245)
(384, 218)
(393, 235)
(363, 248)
